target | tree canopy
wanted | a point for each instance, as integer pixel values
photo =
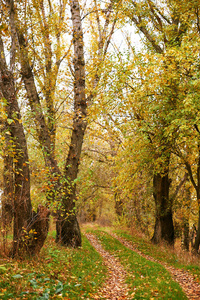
(93, 130)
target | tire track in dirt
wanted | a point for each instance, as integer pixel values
(187, 282)
(115, 287)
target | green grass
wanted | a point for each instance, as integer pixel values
(58, 272)
(146, 279)
(62, 273)
(161, 253)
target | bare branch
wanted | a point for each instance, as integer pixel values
(198, 22)
(147, 35)
(189, 169)
(13, 37)
(110, 36)
(185, 177)
(2, 56)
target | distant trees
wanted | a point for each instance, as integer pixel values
(160, 101)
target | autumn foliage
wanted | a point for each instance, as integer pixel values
(91, 129)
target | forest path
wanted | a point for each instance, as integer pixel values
(115, 287)
(190, 287)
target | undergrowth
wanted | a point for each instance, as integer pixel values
(63, 273)
(57, 273)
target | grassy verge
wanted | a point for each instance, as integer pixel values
(165, 254)
(57, 273)
(146, 279)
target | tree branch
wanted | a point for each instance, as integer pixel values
(173, 197)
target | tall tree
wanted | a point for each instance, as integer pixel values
(22, 203)
(163, 29)
(19, 179)
(68, 224)
(62, 187)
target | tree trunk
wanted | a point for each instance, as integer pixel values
(68, 224)
(22, 203)
(64, 216)
(37, 231)
(68, 231)
(24, 217)
(197, 239)
(67, 227)
(23, 214)
(46, 128)
(186, 235)
(8, 185)
(186, 208)
(164, 229)
(118, 205)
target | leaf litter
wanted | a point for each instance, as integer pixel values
(184, 278)
(115, 287)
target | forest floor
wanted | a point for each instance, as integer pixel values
(187, 281)
(111, 264)
(115, 286)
